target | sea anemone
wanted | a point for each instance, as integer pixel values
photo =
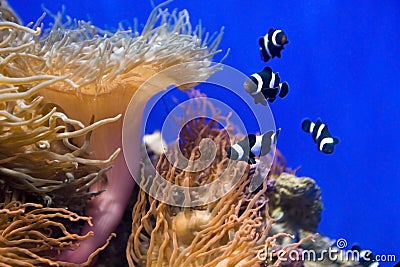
(30, 233)
(38, 155)
(40, 162)
(230, 231)
(105, 70)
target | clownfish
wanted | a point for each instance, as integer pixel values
(320, 135)
(252, 146)
(366, 258)
(266, 85)
(272, 44)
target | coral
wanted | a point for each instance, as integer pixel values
(297, 202)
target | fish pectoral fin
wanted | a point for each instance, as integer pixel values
(251, 159)
(269, 92)
(259, 99)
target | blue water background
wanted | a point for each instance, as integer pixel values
(342, 64)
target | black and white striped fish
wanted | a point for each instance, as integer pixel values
(320, 135)
(366, 258)
(272, 44)
(266, 85)
(252, 146)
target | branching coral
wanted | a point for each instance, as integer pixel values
(30, 232)
(228, 232)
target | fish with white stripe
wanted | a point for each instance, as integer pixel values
(320, 135)
(266, 85)
(252, 146)
(272, 44)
